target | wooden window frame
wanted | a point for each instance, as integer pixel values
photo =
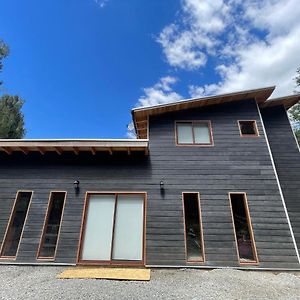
(193, 122)
(11, 216)
(201, 228)
(249, 135)
(83, 224)
(46, 220)
(249, 223)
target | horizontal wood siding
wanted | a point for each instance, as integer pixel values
(233, 164)
(287, 160)
(53, 172)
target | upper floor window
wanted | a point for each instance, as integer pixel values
(248, 128)
(194, 133)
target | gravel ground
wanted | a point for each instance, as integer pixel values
(18, 282)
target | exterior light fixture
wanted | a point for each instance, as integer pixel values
(76, 184)
(161, 184)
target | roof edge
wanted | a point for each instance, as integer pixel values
(286, 101)
(73, 140)
(271, 88)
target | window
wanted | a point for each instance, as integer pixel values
(52, 225)
(194, 133)
(113, 229)
(248, 128)
(16, 224)
(193, 228)
(242, 228)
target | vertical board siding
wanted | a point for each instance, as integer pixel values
(233, 164)
(287, 161)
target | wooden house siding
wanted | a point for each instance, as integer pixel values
(287, 160)
(233, 164)
(53, 172)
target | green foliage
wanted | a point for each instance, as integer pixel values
(297, 133)
(11, 117)
(297, 79)
(294, 112)
(3, 53)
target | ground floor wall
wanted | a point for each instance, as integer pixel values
(165, 238)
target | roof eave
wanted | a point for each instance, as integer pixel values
(287, 101)
(76, 146)
(140, 115)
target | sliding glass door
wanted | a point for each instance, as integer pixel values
(128, 233)
(99, 228)
(113, 228)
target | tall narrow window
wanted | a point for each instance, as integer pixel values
(194, 133)
(193, 230)
(16, 225)
(248, 128)
(242, 228)
(52, 225)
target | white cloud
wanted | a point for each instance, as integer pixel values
(101, 3)
(179, 48)
(160, 93)
(187, 43)
(253, 43)
(130, 134)
(206, 16)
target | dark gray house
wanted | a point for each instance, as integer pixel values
(211, 182)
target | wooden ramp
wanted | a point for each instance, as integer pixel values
(140, 274)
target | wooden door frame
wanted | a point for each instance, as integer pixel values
(83, 224)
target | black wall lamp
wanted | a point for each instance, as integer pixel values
(162, 184)
(76, 185)
(162, 188)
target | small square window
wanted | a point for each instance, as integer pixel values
(194, 133)
(248, 128)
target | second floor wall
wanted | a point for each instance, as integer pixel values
(228, 144)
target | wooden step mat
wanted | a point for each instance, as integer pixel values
(141, 274)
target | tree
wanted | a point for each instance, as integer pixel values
(294, 112)
(3, 53)
(11, 117)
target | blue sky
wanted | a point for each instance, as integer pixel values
(81, 65)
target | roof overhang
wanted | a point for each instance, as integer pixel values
(140, 115)
(287, 101)
(74, 145)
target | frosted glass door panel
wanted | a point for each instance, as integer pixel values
(184, 133)
(98, 229)
(202, 134)
(128, 235)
